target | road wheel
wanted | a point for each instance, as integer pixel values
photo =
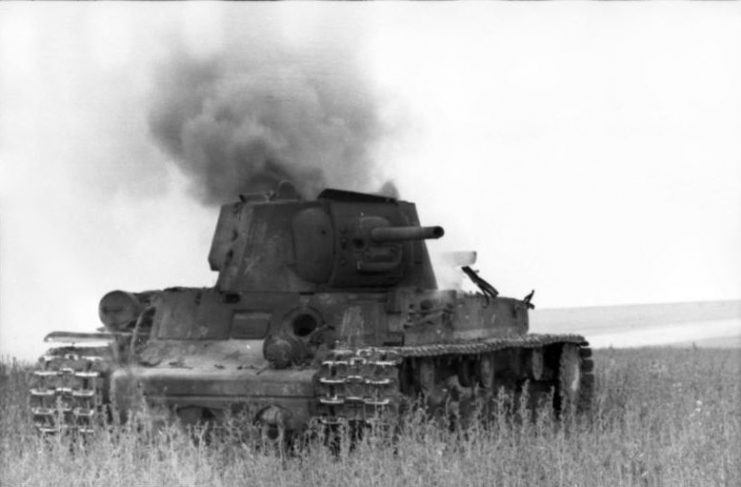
(486, 371)
(426, 375)
(467, 372)
(536, 364)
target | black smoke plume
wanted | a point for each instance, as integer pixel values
(241, 124)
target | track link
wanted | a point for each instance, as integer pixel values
(67, 391)
(358, 385)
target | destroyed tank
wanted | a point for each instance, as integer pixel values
(324, 311)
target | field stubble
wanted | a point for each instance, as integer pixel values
(662, 417)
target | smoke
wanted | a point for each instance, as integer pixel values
(241, 123)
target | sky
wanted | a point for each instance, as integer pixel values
(589, 151)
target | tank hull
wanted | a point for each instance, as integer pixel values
(197, 382)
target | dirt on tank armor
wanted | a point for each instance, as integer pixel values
(324, 310)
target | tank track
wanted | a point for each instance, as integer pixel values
(364, 383)
(68, 390)
(490, 345)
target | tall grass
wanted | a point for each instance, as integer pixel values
(662, 417)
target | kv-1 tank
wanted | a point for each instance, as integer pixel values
(325, 311)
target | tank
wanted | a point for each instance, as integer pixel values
(324, 311)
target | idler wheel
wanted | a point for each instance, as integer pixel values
(273, 425)
(569, 378)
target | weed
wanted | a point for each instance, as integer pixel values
(662, 417)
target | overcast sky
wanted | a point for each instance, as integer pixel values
(589, 151)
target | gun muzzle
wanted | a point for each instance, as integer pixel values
(402, 234)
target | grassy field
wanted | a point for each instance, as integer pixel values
(662, 417)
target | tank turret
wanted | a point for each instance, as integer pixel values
(341, 240)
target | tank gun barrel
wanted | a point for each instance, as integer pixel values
(401, 234)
